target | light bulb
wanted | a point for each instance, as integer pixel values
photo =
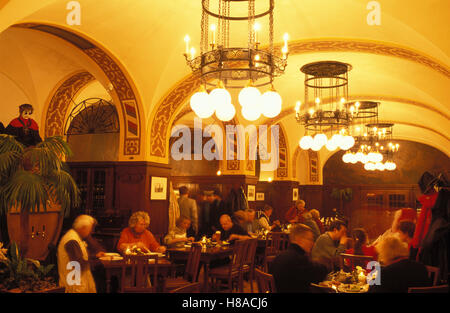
(219, 97)
(270, 104)
(201, 104)
(347, 142)
(315, 146)
(251, 112)
(359, 156)
(331, 145)
(225, 113)
(320, 139)
(306, 142)
(364, 159)
(337, 139)
(199, 99)
(249, 95)
(353, 158)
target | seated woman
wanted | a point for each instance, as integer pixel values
(360, 247)
(398, 272)
(178, 235)
(264, 219)
(138, 235)
(316, 217)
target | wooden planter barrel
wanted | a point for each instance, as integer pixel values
(33, 232)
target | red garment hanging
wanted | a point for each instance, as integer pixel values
(424, 220)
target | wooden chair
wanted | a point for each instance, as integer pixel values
(265, 282)
(139, 281)
(191, 271)
(275, 243)
(354, 260)
(230, 273)
(433, 271)
(188, 288)
(434, 289)
(249, 263)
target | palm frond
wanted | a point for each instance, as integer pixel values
(26, 190)
(56, 144)
(9, 163)
(65, 190)
(9, 143)
(45, 160)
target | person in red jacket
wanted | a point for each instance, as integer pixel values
(360, 247)
(138, 235)
(294, 214)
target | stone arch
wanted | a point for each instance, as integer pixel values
(124, 92)
(172, 102)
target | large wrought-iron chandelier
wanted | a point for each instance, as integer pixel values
(221, 66)
(324, 110)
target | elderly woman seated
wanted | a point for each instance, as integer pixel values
(398, 272)
(137, 235)
(178, 235)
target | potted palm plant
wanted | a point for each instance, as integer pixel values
(33, 179)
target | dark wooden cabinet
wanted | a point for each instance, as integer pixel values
(96, 184)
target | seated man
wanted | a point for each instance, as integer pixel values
(330, 245)
(72, 248)
(229, 230)
(398, 272)
(138, 235)
(178, 236)
(293, 270)
(264, 219)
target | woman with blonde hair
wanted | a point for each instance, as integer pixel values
(398, 272)
(137, 234)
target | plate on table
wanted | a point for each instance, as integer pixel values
(112, 254)
(159, 254)
(111, 258)
(352, 288)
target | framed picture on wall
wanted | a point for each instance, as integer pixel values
(294, 194)
(159, 188)
(251, 193)
(260, 196)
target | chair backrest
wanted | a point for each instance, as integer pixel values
(265, 282)
(433, 271)
(249, 259)
(275, 243)
(188, 288)
(238, 256)
(139, 278)
(355, 259)
(193, 262)
(434, 289)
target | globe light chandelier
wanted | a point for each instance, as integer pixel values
(222, 66)
(375, 146)
(324, 111)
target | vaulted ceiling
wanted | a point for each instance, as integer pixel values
(403, 63)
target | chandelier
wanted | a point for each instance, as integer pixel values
(373, 146)
(221, 65)
(324, 110)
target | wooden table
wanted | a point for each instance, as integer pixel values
(207, 255)
(165, 268)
